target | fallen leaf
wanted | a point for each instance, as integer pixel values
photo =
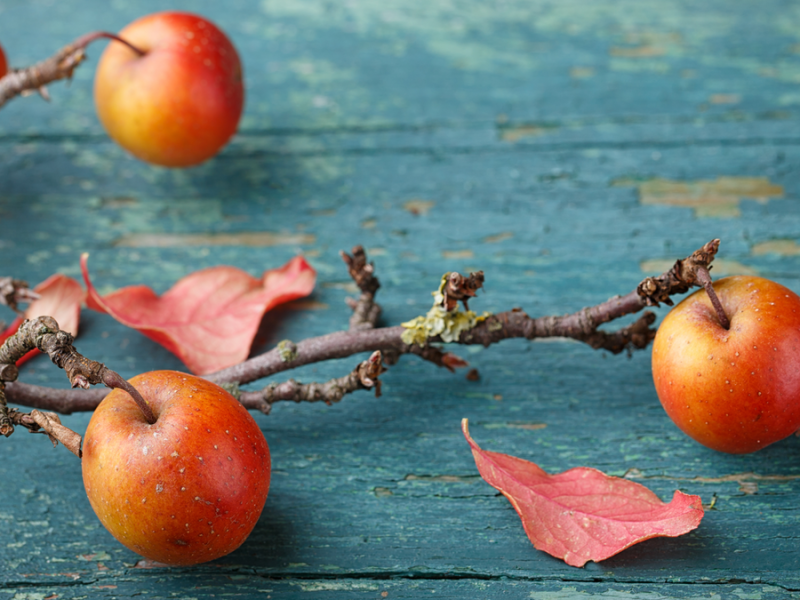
(60, 297)
(583, 514)
(209, 318)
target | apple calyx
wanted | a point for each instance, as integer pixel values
(704, 278)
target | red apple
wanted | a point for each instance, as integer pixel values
(179, 103)
(3, 63)
(735, 390)
(190, 487)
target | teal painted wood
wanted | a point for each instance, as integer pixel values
(528, 137)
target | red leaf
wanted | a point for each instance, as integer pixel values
(583, 514)
(60, 297)
(209, 318)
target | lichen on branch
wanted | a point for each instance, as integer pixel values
(445, 320)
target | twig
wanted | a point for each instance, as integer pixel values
(363, 377)
(460, 288)
(49, 423)
(14, 292)
(44, 334)
(21, 82)
(581, 325)
(365, 310)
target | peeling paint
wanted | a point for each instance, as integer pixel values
(740, 478)
(780, 247)
(336, 586)
(245, 238)
(709, 198)
(530, 426)
(725, 99)
(457, 254)
(419, 207)
(443, 478)
(581, 72)
(637, 51)
(499, 237)
(514, 133)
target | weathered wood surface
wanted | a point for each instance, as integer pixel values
(561, 147)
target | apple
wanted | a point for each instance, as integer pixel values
(735, 390)
(177, 104)
(3, 63)
(185, 489)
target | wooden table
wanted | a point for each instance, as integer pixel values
(568, 149)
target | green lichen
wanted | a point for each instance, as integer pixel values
(232, 388)
(448, 325)
(287, 350)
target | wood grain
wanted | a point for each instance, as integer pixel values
(521, 139)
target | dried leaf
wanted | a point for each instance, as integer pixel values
(583, 514)
(209, 318)
(60, 297)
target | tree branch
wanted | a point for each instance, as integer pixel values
(44, 334)
(581, 325)
(22, 82)
(363, 377)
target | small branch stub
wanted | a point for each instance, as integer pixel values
(364, 376)
(680, 278)
(366, 311)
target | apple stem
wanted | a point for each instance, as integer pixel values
(87, 39)
(114, 380)
(704, 278)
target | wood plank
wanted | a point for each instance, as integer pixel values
(566, 149)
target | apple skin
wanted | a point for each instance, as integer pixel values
(188, 488)
(735, 390)
(180, 103)
(3, 63)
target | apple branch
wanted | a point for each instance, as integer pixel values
(49, 423)
(44, 334)
(485, 330)
(23, 82)
(363, 377)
